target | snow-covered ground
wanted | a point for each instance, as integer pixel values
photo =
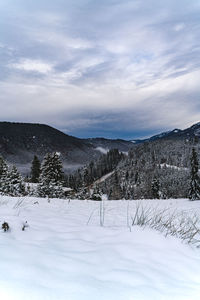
(173, 167)
(65, 255)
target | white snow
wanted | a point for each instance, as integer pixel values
(67, 189)
(102, 150)
(173, 167)
(60, 257)
(125, 153)
(103, 178)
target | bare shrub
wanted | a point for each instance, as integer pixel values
(5, 226)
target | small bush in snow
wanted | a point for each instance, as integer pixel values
(24, 226)
(5, 226)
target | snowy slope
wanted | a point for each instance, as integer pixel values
(173, 167)
(60, 257)
(103, 178)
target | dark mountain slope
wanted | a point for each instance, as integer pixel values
(20, 141)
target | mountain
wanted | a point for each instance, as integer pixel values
(191, 132)
(19, 142)
(162, 160)
(188, 133)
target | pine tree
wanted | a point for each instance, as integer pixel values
(194, 191)
(11, 182)
(50, 181)
(4, 182)
(155, 188)
(35, 170)
(57, 169)
(2, 165)
(17, 187)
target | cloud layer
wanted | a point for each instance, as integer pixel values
(112, 68)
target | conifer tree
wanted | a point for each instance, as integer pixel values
(194, 191)
(155, 188)
(50, 181)
(4, 182)
(17, 187)
(11, 182)
(35, 170)
(2, 165)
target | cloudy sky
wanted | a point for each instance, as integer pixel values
(101, 67)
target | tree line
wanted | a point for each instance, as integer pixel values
(48, 177)
(144, 173)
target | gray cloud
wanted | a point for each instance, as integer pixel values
(100, 66)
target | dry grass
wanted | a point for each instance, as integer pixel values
(169, 222)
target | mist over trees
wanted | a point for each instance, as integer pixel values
(160, 169)
(95, 170)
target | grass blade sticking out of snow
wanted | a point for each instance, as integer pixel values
(169, 222)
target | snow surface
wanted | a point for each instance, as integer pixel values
(102, 150)
(173, 167)
(65, 255)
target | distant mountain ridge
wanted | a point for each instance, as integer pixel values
(193, 131)
(19, 142)
(164, 158)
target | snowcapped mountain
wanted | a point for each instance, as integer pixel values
(158, 136)
(191, 132)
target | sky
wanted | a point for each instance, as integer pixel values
(118, 69)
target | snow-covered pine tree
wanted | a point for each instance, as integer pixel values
(4, 182)
(35, 170)
(57, 167)
(11, 182)
(16, 186)
(50, 181)
(2, 164)
(194, 191)
(43, 189)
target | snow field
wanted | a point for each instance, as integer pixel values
(66, 255)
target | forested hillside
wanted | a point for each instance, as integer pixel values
(156, 168)
(19, 142)
(159, 167)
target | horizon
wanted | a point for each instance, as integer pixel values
(100, 136)
(114, 69)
